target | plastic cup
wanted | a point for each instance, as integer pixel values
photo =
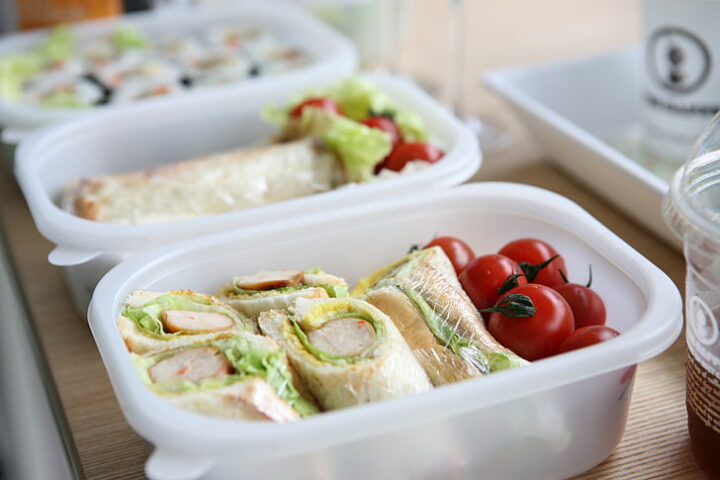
(692, 209)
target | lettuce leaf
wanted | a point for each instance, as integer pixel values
(63, 99)
(148, 316)
(127, 37)
(271, 365)
(358, 147)
(59, 45)
(14, 71)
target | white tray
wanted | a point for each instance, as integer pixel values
(553, 419)
(587, 115)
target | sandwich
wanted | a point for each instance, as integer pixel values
(209, 185)
(245, 377)
(268, 290)
(424, 298)
(151, 322)
(345, 351)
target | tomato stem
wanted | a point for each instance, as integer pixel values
(510, 282)
(589, 276)
(414, 248)
(514, 305)
(531, 270)
(562, 275)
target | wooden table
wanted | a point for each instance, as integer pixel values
(655, 444)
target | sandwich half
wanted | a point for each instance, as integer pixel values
(278, 289)
(345, 351)
(422, 295)
(151, 322)
(209, 185)
(245, 377)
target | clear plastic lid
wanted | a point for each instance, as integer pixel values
(692, 206)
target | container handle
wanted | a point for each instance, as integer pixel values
(67, 256)
(167, 465)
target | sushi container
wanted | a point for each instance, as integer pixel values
(554, 418)
(157, 133)
(330, 54)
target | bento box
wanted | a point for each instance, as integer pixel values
(327, 54)
(154, 134)
(552, 419)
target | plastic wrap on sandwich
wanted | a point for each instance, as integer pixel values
(129, 64)
(327, 139)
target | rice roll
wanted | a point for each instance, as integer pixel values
(424, 298)
(245, 377)
(151, 322)
(209, 185)
(267, 290)
(345, 351)
(64, 93)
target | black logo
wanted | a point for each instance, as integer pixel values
(677, 59)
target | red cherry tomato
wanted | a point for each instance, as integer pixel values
(456, 250)
(538, 335)
(483, 277)
(386, 125)
(407, 152)
(327, 104)
(586, 336)
(534, 252)
(587, 306)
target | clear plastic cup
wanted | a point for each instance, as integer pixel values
(692, 209)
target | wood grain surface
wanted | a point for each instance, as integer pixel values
(655, 444)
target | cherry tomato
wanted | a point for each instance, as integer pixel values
(456, 250)
(532, 251)
(587, 306)
(386, 125)
(534, 335)
(483, 277)
(407, 152)
(327, 104)
(586, 336)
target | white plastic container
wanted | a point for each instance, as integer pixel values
(154, 134)
(553, 419)
(333, 56)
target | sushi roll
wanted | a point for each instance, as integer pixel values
(424, 298)
(232, 38)
(273, 55)
(135, 68)
(152, 322)
(345, 351)
(133, 91)
(253, 294)
(244, 377)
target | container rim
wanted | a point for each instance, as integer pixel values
(658, 327)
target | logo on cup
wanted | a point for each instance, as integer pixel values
(703, 324)
(677, 59)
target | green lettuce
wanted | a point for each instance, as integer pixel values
(14, 71)
(358, 147)
(59, 45)
(127, 37)
(271, 365)
(148, 316)
(63, 99)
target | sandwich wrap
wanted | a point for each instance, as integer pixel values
(278, 289)
(151, 322)
(209, 185)
(424, 298)
(245, 377)
(345, 351)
